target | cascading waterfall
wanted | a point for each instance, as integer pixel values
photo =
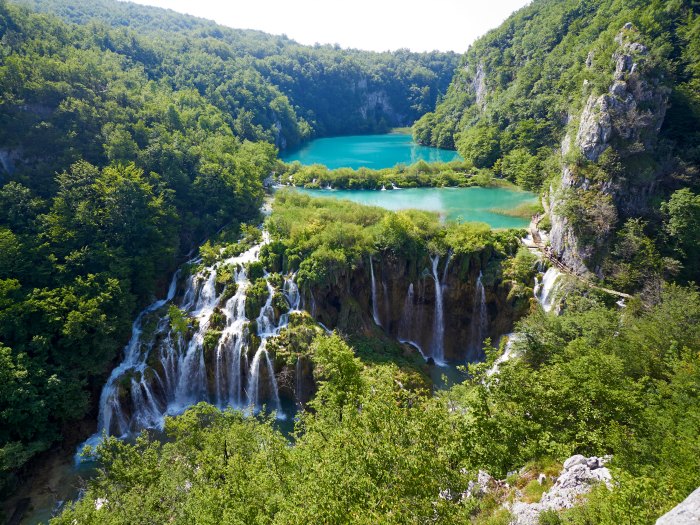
(110, 409)
(266, 319)
(230, 351)
(254, 398)
(165, 371)
(375, 306)
(546, 289)
(438, 344)
(479, 321)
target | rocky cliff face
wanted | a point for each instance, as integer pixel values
(616, 131)
(377, 106)
(405, 304)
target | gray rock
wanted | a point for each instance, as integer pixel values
(574, 460)
(479, 85)
(619, 89)
(541, 479)
(576, 479)
(638, 48)
(627, 118)
(593, 463)
(589, 58)
(484, 480)
(687, 512)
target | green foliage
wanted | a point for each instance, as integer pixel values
(682, 225)
(522, 168)
(518, 93)
(179, 322)
(419, 175)
(479, 146)
(255, 270)
(330, 238)
(636, 261)
(265, 88)
(256, 295)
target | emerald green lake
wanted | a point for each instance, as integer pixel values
(464, 204)
(369, 151)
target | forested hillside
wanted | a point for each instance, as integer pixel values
(136, 145)
(596, 104)
(123, 148)
(271, 87)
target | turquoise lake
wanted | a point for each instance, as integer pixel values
(369, 151)
(463, 204)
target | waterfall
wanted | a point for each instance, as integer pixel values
(387, 306)
(509, 352)
(479, 319)
(438, 344)
(375, 307)
(231, 347)
(546, 289)
(163, 371)
(110, 408)
(266, 319)
(254, 397)
(291, 292)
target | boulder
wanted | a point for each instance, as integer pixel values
(687, 512)
(574, 460)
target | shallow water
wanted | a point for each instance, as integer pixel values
(459, 204)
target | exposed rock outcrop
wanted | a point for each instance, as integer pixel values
(8, 159)
(626, 119)
(687, 512)
(577, 478)
(479, 84)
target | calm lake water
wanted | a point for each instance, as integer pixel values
(465, 204)
(369, 151)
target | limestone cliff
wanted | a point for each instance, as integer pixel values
(475, 303)
(601, 157)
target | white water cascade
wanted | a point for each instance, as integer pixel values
(438, 343)
(480, 320)
(255, 400)
(164, 371)
(375, 306)
(547, 289)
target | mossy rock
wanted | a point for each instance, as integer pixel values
(279, 304)
(225, 275)
(228, 292)
(276, 280)
(255, 298)
(255, 270)
(211, 341)
(217, 320)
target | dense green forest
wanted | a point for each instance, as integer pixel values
(134, 139)
(270, 87)
(123, 148)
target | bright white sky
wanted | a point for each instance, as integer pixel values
(377, 25)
